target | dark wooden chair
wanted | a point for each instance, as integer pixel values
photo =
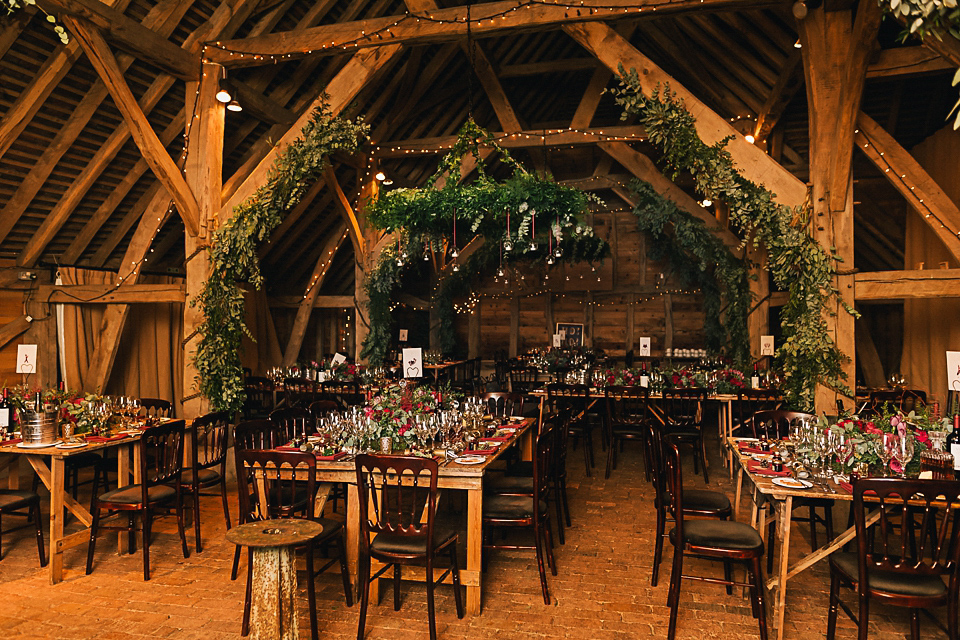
(247, 435)
(682, 411)
(528, 511)
(321, 408)
(502, 404)
(346, 394)
(721, 540)
(626, 419)
(160, 485)
(294, 422)
(259, 400)
(697, 503)
(14, 502)
(282, 484)
(905, 400)
(749, 401)
(574, 400)
(916, 568)
(156, 408)
(524, 380)
(398, 504)
(299, 392)
(209, 439)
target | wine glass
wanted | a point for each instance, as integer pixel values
(904, 453)
(886, 448)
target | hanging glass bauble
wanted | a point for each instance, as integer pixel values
(550, 259)
(455, 254)
(533, 246)
(558, 251)
(500, 273)
(507, 245)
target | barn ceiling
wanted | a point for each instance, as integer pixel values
(73, 184)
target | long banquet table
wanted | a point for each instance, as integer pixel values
(451, 475)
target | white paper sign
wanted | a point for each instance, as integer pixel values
(27, 358)
(953, 370)
(403, 335)
(557, 340)
(645, 346)
(413, 362)
(322, 376)
(766, 345)
(339, 359)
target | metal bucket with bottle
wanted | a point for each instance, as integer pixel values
(38, 427)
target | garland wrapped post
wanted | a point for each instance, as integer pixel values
(798, 263)
(423, 218)
(718, 273)
(233, 252)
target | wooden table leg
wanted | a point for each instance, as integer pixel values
(474, 547)
(12, 465)
(123, 479)
(353, 530)
(56, 518)
(786, 517)
(737, 495)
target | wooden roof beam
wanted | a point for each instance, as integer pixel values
(786, 87)
(612, 49)
(642, 167)
(523, 70)
(488, 18)
(908, 284)
(907, 61)
(141, 131)
(354, 224)
(909, 178)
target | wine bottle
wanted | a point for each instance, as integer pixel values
(953, 444)
(644, 378)
(755, 379)
(38, 402)
(4, 412)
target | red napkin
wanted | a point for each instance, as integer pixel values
(333, 457)
(754, 467)
(106, 439)
(848, 487)
(287, 448)
(480, 452)
(11, 441)
(495, 439)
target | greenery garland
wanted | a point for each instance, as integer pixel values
(797, 262)
(532, 207)
(233, 251)
(13, 6)
(716, 271)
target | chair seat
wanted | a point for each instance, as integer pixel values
(511, 507)
(891, 582)
(133, 494)
(205, 476)
(11, 499)
(719, 533)
(683, 430)
(509, 484)
(396, 544)
(83, 460)
(702, 501)
(629, 429)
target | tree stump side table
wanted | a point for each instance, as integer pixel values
(273, 611)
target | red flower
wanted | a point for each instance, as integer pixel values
(402, 430)
(675, 379)
(921, 437)
(869, 427)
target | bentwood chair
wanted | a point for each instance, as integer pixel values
(282, 484)
(156, 407)
(208, 444)
(398, 505)
(528, 511)
(259, 397)
(697, 503)
(247, 435)
(22, 503)
(683, 421)
(160, 485)
(721, 540)
(346, 394)
(915, 568)
(905, 400)
(502, 404)
(293, 422)
(574, 399)
(626, 419)
(749, 401)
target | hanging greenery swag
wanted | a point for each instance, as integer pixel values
(720, 275)
(233, 251)
(797, 262)
(532, 217)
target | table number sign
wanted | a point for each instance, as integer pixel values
(27, 358)
(558, 340)
(645, 346)
(413, 362)
(953, 370)
(338, 359)
(766, 345)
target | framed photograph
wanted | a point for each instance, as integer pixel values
(571, 335)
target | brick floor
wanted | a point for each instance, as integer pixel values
(602, 591)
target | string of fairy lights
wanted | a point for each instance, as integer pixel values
(383, 33)
(902, 179)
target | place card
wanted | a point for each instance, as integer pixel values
(413, 362)
(27, 358)
(953, 370)
(766, 345)
(645, 346)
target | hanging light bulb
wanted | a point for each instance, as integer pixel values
(507, 245)
(456, 267)
(550, 259)
(455, 254)
(546, 277)
(399, 262)
(558, 251)
(381, 176)
(533, 246)
(500, 273)
(426, 257)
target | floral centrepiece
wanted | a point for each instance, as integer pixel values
(394, 408)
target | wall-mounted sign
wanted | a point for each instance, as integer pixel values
(645, 346)
(766, 345)
(403, 335)
(572, 334)
(27, 358)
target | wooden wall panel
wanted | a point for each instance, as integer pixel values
(11, 308)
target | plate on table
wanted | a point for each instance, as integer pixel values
(792, 483)
(470, 459)
(71, 445)
(36, 445)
